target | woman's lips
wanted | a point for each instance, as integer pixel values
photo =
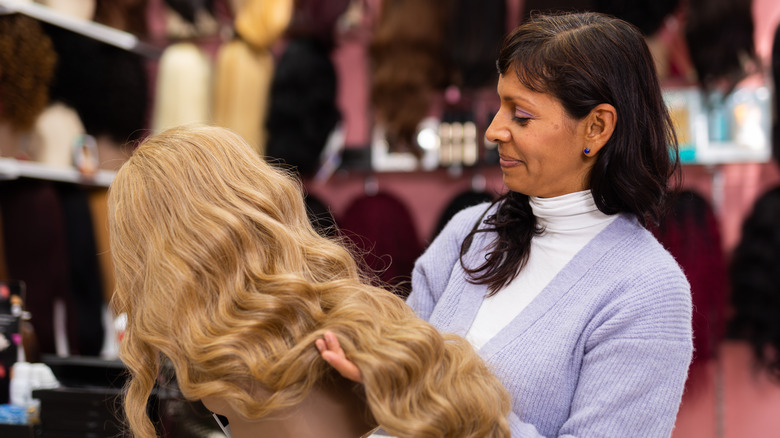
(508, 162)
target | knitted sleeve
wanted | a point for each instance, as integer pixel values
(432, 270)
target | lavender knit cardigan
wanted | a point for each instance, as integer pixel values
(603, 351)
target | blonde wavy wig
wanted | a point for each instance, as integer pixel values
(220, 272)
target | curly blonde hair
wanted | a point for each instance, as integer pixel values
(220, 271)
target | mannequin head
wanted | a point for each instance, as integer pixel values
(220, 272)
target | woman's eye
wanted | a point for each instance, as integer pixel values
(521, 120)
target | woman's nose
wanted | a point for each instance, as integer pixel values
(497, 131)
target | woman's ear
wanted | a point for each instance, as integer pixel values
(599, 127)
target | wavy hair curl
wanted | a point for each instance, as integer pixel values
(220, 271)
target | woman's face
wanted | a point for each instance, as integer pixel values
(540, 146)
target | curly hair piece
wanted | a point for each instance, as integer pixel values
(220, 271)
(27, 61)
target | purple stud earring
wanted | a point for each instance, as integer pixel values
(587, 151)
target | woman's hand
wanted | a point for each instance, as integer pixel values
(331, 352)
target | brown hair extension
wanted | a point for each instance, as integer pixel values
(27, 60)
(127, 15)
(408, 56)
(202, 226)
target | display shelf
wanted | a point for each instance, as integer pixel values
(97, 31)
(11, 168)
(724, 153)
(717, 129)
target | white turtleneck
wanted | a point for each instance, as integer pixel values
(570, 222)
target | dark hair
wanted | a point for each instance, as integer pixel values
(107, 86)
(302, 111)
(755, 282)
(719, 35)
(647, 15)
(583, 60)
(691, 233)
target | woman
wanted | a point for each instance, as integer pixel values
(221, 273)
(581, 313)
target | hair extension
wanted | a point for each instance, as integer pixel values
(476, 29)
(316, 19)
(408, 66)
(200, 224)
(107, 86)
(127, 16)
(754, 274)
(691, 233)
(183, 87)
(719, 34)
(261, 22)
(572, 57)
(27, 61)
(648, 15)
(241, 91)
(382, 227)
(303, 110)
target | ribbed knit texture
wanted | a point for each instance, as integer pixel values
(602, 351)
(569, 221)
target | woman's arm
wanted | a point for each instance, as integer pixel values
(433, 269)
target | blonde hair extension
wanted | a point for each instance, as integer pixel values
(183, 87)
(241, 91)
(220, 271)
(261, 22)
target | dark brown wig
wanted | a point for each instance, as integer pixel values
(719, 34)
(755, 283)
(691, 233)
